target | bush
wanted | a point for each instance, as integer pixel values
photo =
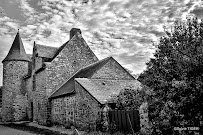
(68, 124)
(113, 127)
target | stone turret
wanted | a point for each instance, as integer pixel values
(17, 51)
(15, 67)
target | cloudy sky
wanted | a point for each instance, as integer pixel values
(124, 29)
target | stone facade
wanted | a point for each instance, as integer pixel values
(88, 109)
(45, 88)
(0, 98)
(63, 110)
(29, 89)
(75, 55)
(80, 108)
(14, 99)
(40, 100)
(112, 70)
(0, 101)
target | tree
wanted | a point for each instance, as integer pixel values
(135, 99)
(130, 98)
(176, 76)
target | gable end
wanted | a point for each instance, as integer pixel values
(112, 70)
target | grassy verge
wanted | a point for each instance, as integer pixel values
(32, 129)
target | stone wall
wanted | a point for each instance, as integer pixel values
(75, 55)
(0, 96)
(0, 100)
(40, 100)
(80, 109)
(38, 63)
(112, 70)
(0, 115)
(14, 100)
(29, 88)
(87, 107)
(63, 110)
(20, 104)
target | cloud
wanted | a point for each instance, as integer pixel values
(123, 29)
(198, 11)
(27, 9)
(5, 44)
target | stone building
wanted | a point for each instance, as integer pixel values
(0, 100)
(62, 85)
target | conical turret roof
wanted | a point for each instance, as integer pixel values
(17, 50)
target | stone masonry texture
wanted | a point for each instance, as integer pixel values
(29, 89)
(40, 100)
(28, 86)
(112, 70)
(75, 55)
(80, 108)
(14, 99)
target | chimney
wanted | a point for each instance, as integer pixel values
(74, 31)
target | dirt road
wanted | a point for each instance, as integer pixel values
(10, 131)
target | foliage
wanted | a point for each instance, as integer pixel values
(175, 74)
(131, 98)
(113, 127)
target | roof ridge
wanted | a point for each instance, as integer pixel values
(45, 51)
(81, 69)
(60, 49)
(63, 83)
(97, 62)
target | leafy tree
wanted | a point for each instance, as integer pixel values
(127, 99)
(130, 98)
(135, 99)
(176, 76)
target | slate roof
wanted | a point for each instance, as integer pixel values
(50, 54)
(46, 51)
(103, 89)
(17, 50)
(60, 49)
(89, 70)
(69, 86)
